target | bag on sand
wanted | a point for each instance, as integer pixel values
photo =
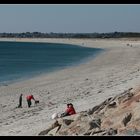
(55, 116)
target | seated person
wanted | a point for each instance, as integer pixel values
(69, 111)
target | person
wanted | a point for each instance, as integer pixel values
(69, 111)
(29, 98)
(20, 101)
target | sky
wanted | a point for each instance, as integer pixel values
(69, 18)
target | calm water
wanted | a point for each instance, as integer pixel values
(20, 60)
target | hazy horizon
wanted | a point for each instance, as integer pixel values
(69, 32)
(69, 18)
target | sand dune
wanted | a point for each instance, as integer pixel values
(110, 73)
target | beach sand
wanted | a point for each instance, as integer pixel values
(85, 85)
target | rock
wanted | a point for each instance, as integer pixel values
(97, 132)
(95, 123)
(90, 112)
(67, 122)
(87, 133)
(102, 105)
(112, 131)
(112, 104)
(126, 95)
(54, 125)
(99, 91)
(127, 119)
(100, 120)
(44, 132)
(53, 132)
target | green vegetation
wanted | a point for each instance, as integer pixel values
(69, 35)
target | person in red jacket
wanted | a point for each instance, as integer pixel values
(69, 111)
(29, 98)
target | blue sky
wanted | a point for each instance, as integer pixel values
(70, 18)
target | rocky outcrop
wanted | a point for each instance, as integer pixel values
(119, 115)
(127, 119)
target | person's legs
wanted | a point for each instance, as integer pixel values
(64, 114)
(20, 103)
(19, 106)
(29, 103)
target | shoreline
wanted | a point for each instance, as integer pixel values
(108, 74)
(6, 81)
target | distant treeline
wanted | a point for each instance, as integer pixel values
(69, 35)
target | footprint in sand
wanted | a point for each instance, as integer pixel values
(18, 131)
(6, 124)
(100, 91)
(87, 92)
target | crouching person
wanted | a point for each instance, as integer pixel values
(29, 98)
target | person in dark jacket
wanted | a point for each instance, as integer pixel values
(20, 101)
(69, 111)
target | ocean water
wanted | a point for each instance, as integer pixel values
(21, 60)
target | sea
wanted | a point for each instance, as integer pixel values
(22, 60)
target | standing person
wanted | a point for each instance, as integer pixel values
(29, 98)
(20, 101)
(69, 111)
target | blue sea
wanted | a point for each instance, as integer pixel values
(21, 60)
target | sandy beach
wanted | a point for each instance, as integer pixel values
(85, 85)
